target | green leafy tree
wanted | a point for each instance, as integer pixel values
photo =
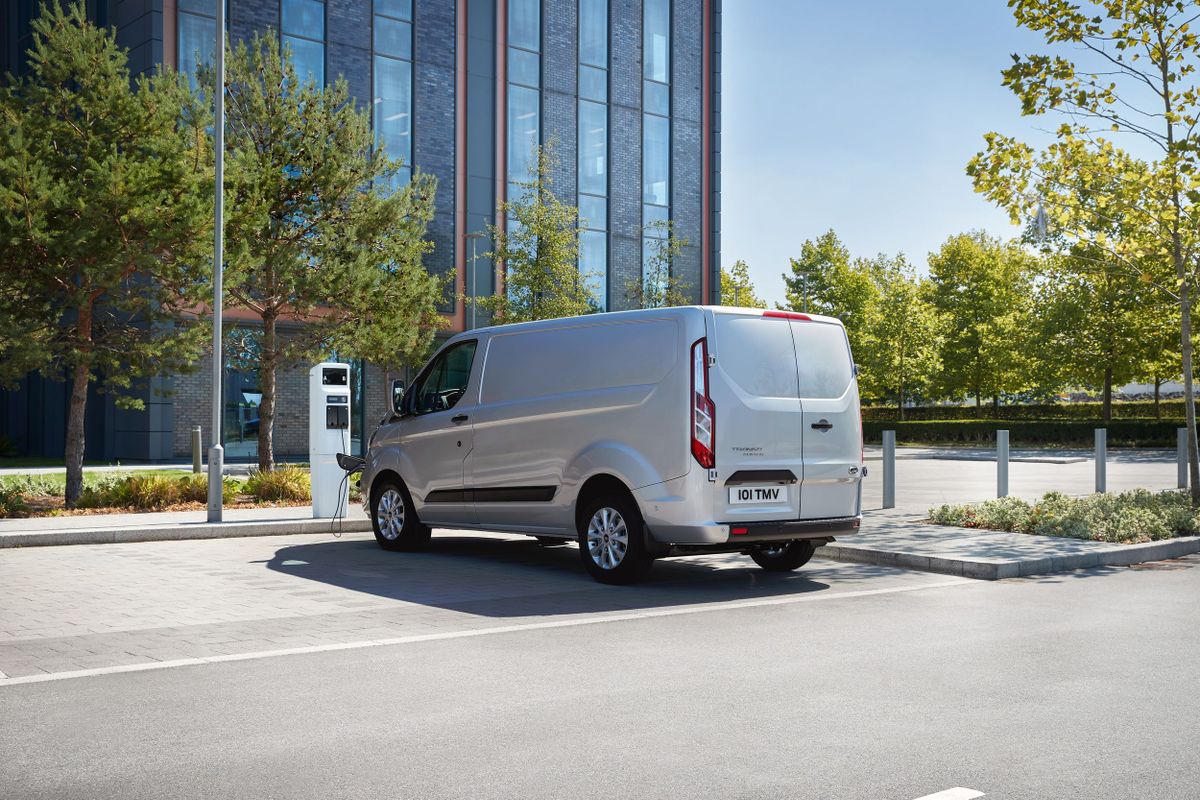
(826, 280)
(659, 286)
(1127, 67)
(537, 241)
(982, 289)
(737, 289)
(104, 220)
(321, 239)
(899, 352)
(1101, 326)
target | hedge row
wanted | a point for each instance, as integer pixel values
(1065, 433)
(1087, 411)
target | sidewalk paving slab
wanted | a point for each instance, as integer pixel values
(173, 525)
(897, 539)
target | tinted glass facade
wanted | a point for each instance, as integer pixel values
(462, 90)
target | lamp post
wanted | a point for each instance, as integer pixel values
(216, 454)
(474, 237)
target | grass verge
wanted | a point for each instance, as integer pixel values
(1124, 517)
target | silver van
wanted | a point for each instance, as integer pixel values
(639, 434)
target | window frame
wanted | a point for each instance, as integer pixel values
(418, 384)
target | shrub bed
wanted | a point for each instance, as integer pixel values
(1126, 517)
(35, 495)
(1062, 433)
(1086, 411)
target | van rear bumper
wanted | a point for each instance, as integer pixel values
(789, 530)
(722, 535)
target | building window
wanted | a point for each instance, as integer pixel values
(196, 30)
(393, 43)
(302, 24)
(593, 146)
(656, 126)
(524, 82)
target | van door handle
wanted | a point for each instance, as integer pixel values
(823, 425)
(459, 419)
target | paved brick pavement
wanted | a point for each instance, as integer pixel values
(64, 609)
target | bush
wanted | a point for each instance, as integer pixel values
(1086, 411)
(147, 491)
(288, 483)
(1127, 517)
(194, 488)
(1060, 433)
(12, 502)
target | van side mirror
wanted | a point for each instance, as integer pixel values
(397, 396)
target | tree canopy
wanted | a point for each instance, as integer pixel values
(321, 237)
(737, 289)
(537, 242)
(105, 220)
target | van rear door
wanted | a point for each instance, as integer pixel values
(830, 421)
(759, 437)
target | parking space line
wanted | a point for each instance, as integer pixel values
(498, 629)
(957, 793)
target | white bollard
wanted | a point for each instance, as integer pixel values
(889, 469)
(1101, 459)
(1001, 463)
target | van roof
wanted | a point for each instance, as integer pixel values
(641, 313)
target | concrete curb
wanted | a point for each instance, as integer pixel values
(181, 531)
(993, 569)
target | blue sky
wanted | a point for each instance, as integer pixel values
(860, 115)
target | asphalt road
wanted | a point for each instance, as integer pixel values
(715, 681)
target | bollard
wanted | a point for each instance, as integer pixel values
(889, 469)
(1101, 458)
(1001, 463)
(196, 449)
(1181, 458)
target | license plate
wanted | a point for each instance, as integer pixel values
(743, 495)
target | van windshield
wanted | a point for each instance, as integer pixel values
(822, 359)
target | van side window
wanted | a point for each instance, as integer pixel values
(445, 382)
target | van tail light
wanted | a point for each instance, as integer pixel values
(704, 413)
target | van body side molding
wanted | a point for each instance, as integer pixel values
(501, 494)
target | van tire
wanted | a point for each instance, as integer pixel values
(635, 561)
(785, 558)
(412, 535)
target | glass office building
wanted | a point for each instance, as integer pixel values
(627, 90)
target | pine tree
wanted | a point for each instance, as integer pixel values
(105, 213)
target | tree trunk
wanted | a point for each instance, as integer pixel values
(74, 444)
(1106, 408)
(995, 406)
(266, 407)
(1157, 395)
(978, 405)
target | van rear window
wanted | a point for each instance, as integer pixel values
(757, 354)
(822, 359)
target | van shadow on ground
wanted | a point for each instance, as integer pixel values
(496, 577)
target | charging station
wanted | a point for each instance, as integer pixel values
(328, 435)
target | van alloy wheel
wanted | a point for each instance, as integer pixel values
(607, 538)
(389, 514)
